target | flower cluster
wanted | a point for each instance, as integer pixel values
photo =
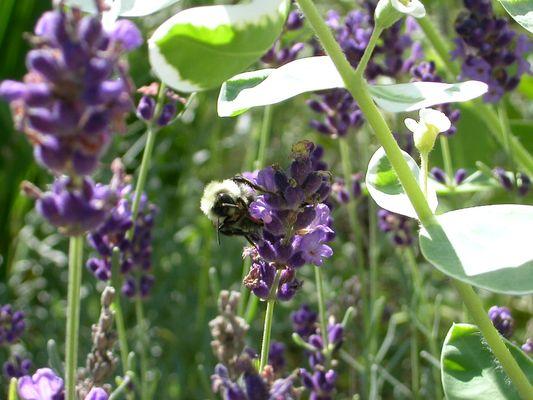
(296, 222)
(440, 176)
(135, 251)
(491, 52)
(505, 179)
(74, 205)
(17, 367)
(320, 380)
(46, 385)
(12, 324)
(502, 320)
(280, 54)
(146, 108)
(342, 194)
(399, 227)
(426, 72)
(76, 92)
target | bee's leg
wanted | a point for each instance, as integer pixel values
(218, 231)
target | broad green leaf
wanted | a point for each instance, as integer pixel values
(385, 188)
(416, 95)
(489, 247)
(125, 8)
(470, 371)
(521, 11)
(270, 86)
(200, 48)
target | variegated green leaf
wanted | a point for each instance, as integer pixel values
(521, 11)
(200, 48)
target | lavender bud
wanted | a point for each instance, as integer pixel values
(146, 108)
(523, 183)
(460, 176)
(439, 175)
(502, 320)
(527, 347)
(167, 114)
(126, 34)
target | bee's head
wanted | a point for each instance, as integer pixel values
(220, 199)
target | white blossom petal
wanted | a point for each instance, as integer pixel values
(438, 119)
(413, 7)
(411, 124)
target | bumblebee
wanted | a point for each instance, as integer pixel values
(226, 204)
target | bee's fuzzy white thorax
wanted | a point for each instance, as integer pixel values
(212, 190)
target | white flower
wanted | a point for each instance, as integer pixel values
(411, 7)
(425, 131)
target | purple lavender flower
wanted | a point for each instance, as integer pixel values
(426, 72)
(304, 321)
(296, 222)
(321, 383)
(503, 178)
(135, 253)
(523, 183)
(439, 175)
(16, 367)
(502, 320)
(398, 226)
(276, 356)
(76, 93)
(12, 324)
(97, 394)
(282, 53)
(339, 191)
(491, 52)
(43, 385)
(460, 176)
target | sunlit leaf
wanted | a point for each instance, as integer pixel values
(200, 48)
(470, 371)
(489, 247)
(270, 86)
(416, 95)
(125, 8)
(385, 188)
(521, 11)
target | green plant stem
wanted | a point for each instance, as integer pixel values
(143, 343)
(73, 315)
(355, 226)
(424, 170)
(447, 158)
(12, 394)
(321, 305)
(494, 340)
(266, 127)
(372, 42)
(269, 316)
(484, 111)
(506, 129)
(119, 315)
(359, 91)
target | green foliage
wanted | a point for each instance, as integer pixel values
(469, 370)
(199, 48)
(477, 245)
(521, 11)
(385, 187)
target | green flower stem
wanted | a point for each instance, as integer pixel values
(506, 129)
(359, 91)
(372, 42)
(266, 127)
(447, 157)
(484, 111)
(121, 390)
(355, 226)
(424, 170)
(494, 340)
(143, 344)
(269, 317)
(119, 316)
(321, 305)
(12, 394)
(73, 315)
(264, 135)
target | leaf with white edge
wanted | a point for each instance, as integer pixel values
(521, 11)
(385, 188)
(417, 95)
(488, 247)
(470, 371)
(124, 8)
(200, 48)
(271, 86)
